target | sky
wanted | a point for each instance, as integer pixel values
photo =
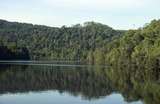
(119, 14)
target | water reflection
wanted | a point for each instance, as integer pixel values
(75, 80)
(71, 84)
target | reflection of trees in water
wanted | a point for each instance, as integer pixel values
(90, 82)
(136, 84)
(75, 80)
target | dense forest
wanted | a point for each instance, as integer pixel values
(136, 48)
(51, 43)
(142, 45)
(94, 42)
(12, 53)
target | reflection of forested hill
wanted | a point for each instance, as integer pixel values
(74, 80)
(136, 84)
(89, 82)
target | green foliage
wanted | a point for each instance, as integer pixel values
(140, 47)
(99, 57)
(68, 43)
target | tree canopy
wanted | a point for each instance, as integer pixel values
(69, 43)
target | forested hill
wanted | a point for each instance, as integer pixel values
(69, 43)
(139, 48)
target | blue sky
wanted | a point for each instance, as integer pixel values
(119, 14)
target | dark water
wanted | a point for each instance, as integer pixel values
(72, 84)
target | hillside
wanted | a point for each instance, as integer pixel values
(137, 49)
(67, 43)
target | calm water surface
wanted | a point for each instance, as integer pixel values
(62, 84)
